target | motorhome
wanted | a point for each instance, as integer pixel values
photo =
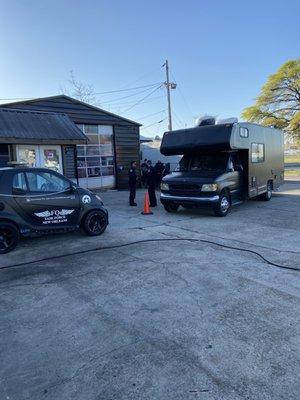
(222, 165)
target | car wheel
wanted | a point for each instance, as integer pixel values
(267, 196)
(171, 207)
(95, 223)
(223, 205)
(9, 237)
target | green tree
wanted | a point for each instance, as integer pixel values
(278, 103)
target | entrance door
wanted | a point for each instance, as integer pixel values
(48, 201)
(46, 156)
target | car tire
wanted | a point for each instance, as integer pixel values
(9, 237)
(171, 207)
(268, 195)
(95, 223)
(223, 205)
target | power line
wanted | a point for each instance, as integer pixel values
(154, 123)
(145, 97)
(126, 90)
(96, 93)
(151, 115)
(125, 97)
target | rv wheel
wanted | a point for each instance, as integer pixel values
(223, 205)
(267, 196)
(171, 207)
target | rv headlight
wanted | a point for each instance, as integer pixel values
(210, 187)
(164, 186)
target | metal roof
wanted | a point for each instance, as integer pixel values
(22, 126)
(63, 96)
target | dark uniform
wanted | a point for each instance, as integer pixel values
(151, 180)
(132, 186)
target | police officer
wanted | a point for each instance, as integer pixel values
(151, 179)
(132, 183)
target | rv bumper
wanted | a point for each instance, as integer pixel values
(184, 200)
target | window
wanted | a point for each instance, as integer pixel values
(244, 133)
(257, 152)
(19, 181)
(46, 182)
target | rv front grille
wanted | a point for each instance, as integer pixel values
(184, 187)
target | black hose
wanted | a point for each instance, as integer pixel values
(149, 241)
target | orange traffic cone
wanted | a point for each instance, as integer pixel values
(147, 209)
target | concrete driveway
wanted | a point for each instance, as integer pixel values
(156, 320)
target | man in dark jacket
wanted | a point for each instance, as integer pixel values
(132, 183)
(151, 179)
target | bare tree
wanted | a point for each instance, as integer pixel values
(79, 90)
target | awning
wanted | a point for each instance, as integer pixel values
(35, 127)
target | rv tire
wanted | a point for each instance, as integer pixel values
(171, 207)
(222, 207)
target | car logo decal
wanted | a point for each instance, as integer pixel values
(54, 216)
(86, 199)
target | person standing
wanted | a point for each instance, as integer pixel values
(132, 183)
(144, 168)
(151, 180)
(159, 167)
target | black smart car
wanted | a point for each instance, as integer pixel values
(35, 201)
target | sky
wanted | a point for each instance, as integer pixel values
(220, 53)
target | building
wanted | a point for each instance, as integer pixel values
(101, 161)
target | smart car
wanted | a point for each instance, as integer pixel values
(35, 201)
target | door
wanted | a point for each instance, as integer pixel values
(235, 176)
(48, 202)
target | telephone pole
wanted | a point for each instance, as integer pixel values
(169, 85)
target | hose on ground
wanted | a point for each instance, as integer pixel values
(117, 246)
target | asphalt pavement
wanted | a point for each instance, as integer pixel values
(166, 319)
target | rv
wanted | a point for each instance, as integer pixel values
(222, 165)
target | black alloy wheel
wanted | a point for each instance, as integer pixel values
(9, 237)
(95, 223)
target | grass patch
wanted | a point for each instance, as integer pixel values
(292, 173)
(295, 158)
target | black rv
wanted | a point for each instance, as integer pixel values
(222, 165)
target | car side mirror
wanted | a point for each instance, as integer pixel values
(72, 188)
(238, 168)
(18, 191)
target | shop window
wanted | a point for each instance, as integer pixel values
(257, 152)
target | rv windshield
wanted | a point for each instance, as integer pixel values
(204, 162)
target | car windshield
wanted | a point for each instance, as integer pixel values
(204, 162)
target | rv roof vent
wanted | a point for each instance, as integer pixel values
(205, 120)
(232, 120)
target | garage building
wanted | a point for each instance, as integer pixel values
(101, 161)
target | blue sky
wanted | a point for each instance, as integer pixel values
(220, 52)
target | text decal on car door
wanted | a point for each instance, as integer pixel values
(54, 216)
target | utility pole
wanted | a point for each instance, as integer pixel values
(169, 86)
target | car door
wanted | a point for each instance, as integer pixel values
(50, 202)
(235, 177)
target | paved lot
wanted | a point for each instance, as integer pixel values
(159, 320)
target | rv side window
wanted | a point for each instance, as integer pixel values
(257, 152)
(244, 132)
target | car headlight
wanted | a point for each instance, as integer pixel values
(209, 187)
(164, 186)
(99, 198)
